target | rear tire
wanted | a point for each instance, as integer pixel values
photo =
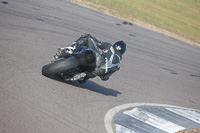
(60, 66)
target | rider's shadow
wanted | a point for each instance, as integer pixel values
(90, 85)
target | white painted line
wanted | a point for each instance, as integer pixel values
(122, 129)
(112, 112)
(154, 120)
(187, 113)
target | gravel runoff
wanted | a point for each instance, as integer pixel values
(193, 130)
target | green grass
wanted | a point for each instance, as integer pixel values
(179, 16)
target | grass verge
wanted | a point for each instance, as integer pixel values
(179, 19)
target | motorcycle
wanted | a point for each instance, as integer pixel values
(68, 64)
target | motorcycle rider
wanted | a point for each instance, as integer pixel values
(106, 65)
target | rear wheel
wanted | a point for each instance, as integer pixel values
(60, 66)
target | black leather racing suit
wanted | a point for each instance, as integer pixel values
(108, 58)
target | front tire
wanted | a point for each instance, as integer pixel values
(60, 66)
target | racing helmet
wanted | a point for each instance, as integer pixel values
(120, 46)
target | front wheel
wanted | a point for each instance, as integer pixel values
(60, 66)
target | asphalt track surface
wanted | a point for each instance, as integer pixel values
(155, 69)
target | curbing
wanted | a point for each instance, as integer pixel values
(114, 111)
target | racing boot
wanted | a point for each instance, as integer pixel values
(70, 49)
(78, 76)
